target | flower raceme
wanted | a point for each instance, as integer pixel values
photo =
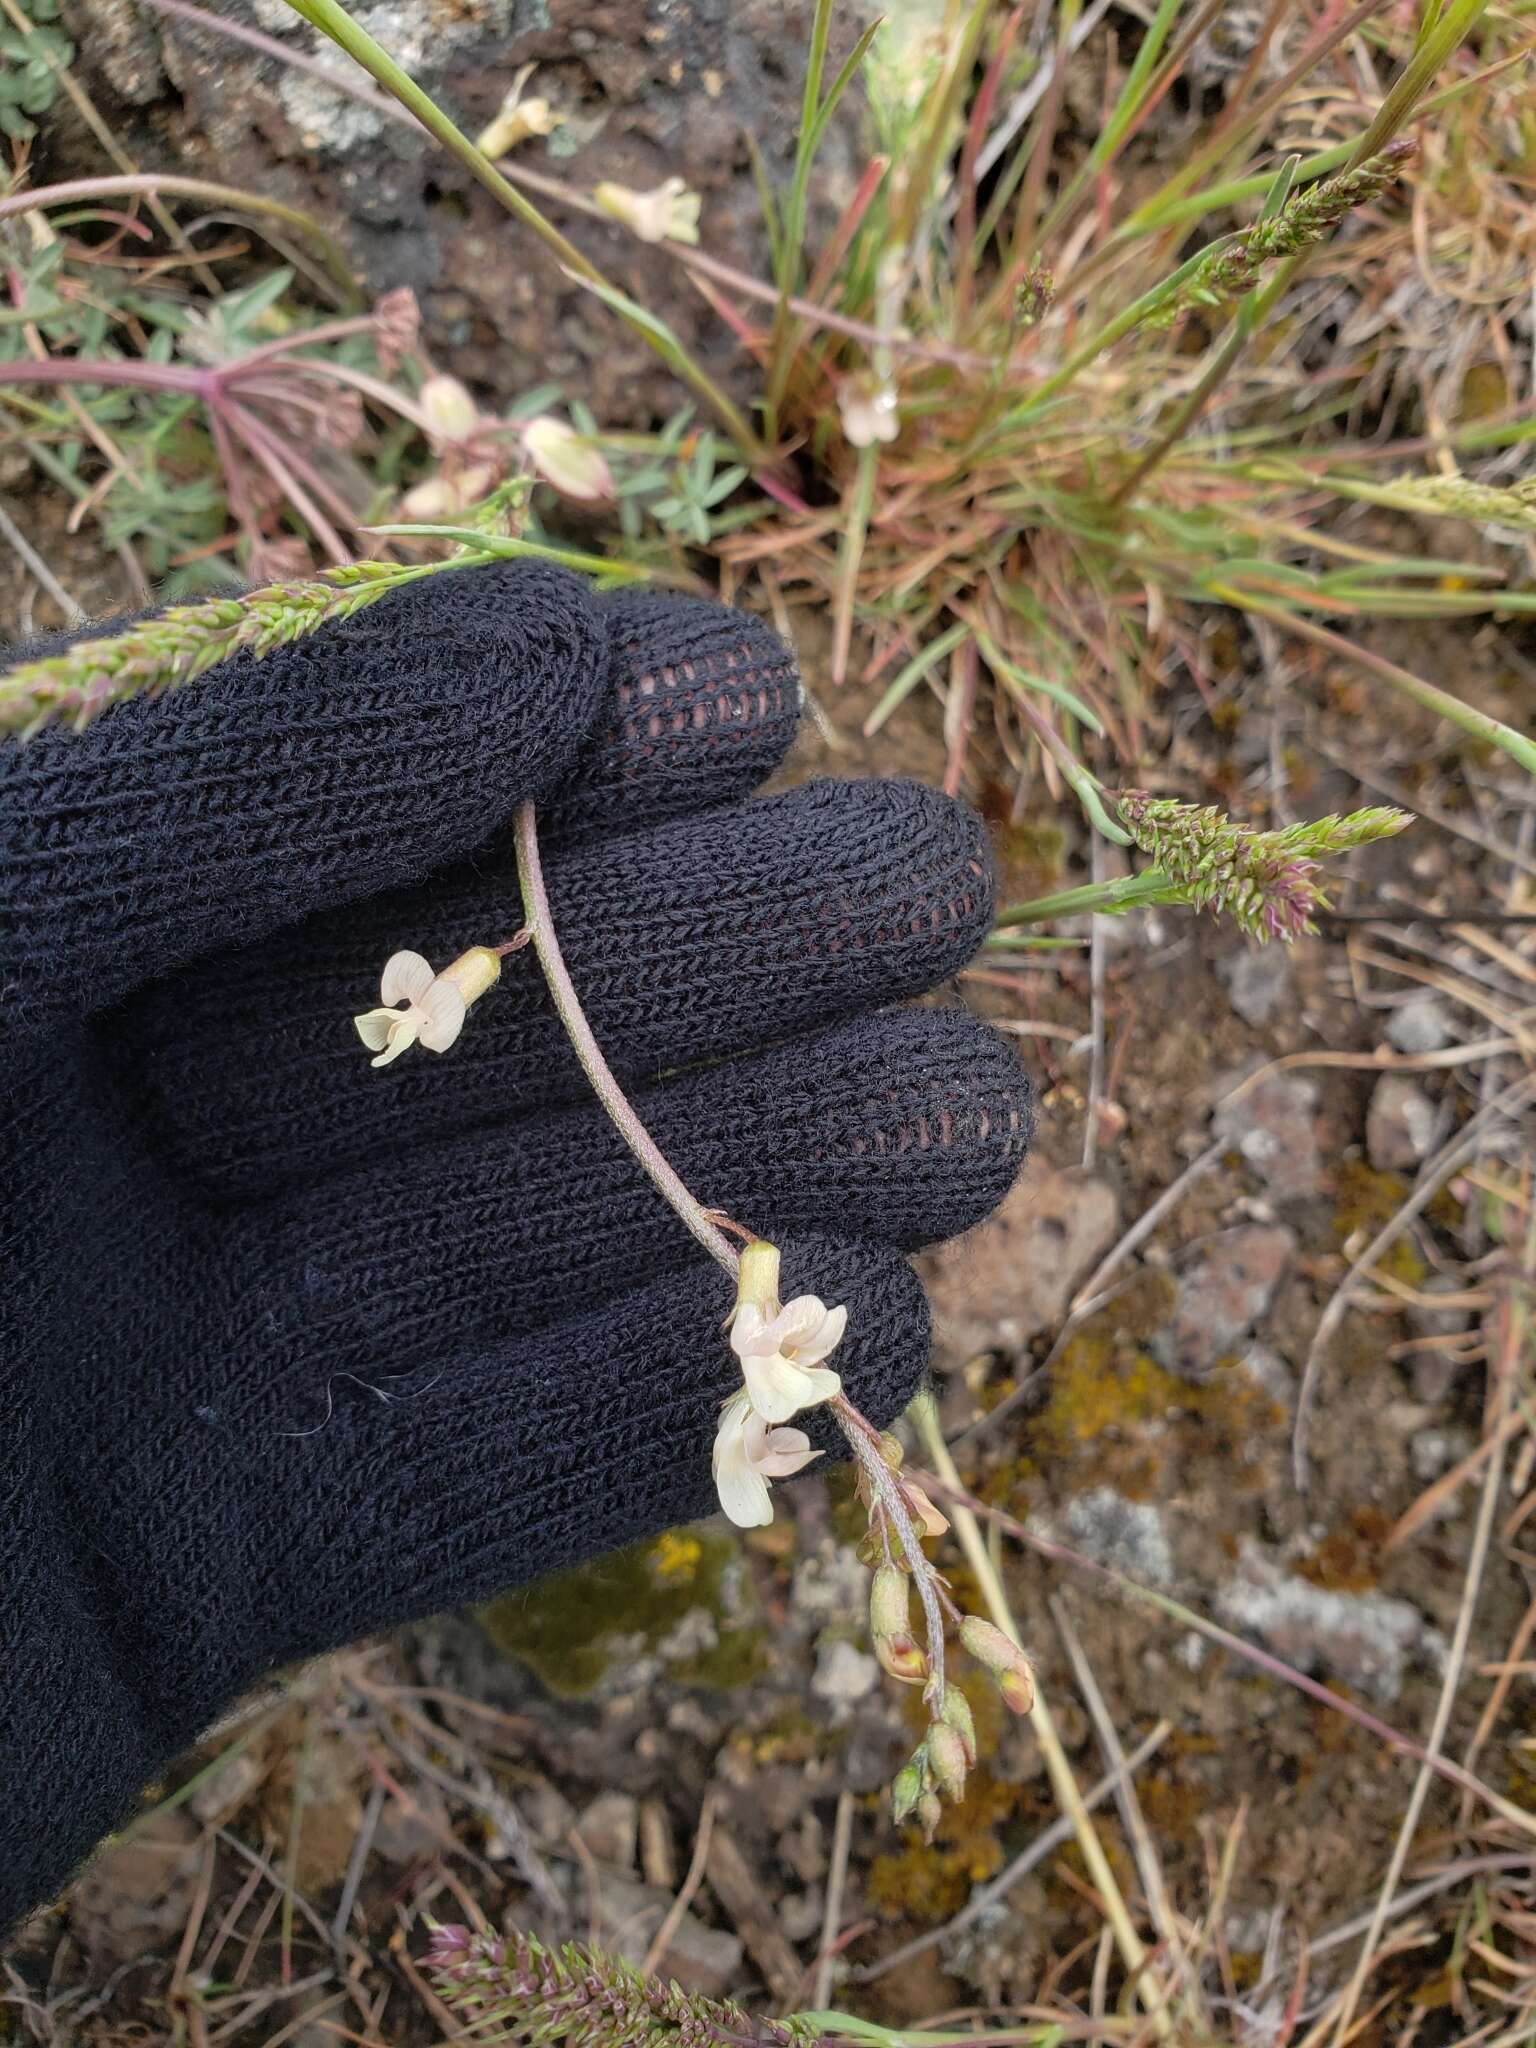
(780, 1348)
(435, 1004)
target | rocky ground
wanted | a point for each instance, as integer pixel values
(557, 1760)
(702, 1714)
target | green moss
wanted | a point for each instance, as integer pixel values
(1364, 1201)
(568, 1629)
(1107, 1385)
(739, 1656)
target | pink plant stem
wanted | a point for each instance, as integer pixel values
(286, 469)
(307, 337)
(541, 923)
(201, 384)
(863, 1437)
(1189, 1617)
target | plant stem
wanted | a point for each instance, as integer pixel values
(231, 196)
(1478, 723)
(667, 1182)
(863, 1437)
(1132, 1949)
(1126, 892)
(334, 21)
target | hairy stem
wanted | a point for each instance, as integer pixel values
(863, 1437)
(541, 924)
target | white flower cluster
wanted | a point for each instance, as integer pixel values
(780, 1350)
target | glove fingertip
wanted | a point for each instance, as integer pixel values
(702, 704)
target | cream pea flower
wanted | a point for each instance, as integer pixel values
(435, 1004)
(669, 213)
(748, 1453)
(781, 1355)
(780, 1349)
(566, 459)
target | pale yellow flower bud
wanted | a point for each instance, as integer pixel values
(956, 1714)
(567, 459)
(670, 213)
(1004, 1659)
(516, 119)
(946, 1759)
(890, 1627)
(449, 406)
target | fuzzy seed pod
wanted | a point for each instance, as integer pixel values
(1004, 1659)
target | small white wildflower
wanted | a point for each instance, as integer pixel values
(668, 214)
(435, 1004)
(748, 1453)
(566, 459)
(516, 119)
(868, 409)
(781, 1349)
(781, 1356)
(450, 407)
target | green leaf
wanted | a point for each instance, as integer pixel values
(240, 311)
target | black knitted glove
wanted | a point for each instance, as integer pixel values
(295, 1350)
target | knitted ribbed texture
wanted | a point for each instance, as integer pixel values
(699, 696)
(292, 1350)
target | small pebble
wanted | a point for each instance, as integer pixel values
(1401, 1125)
(1422, 1024)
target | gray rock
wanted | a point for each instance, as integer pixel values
(1274, 1127)
(843, 1673)
(800, 1914)
(1434, 1451)
(700, 1958)
(1258, 980)
(1401, 1125)
(610, 1828)
(1127, 1535)
(1223, 1294)
(1267, 1369)
(1422, 1024)
(1365, 1639)
(1012, 1277)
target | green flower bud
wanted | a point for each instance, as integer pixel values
(956, 1714)
(907, 1792)
(947, 1760)
(1004, 1659)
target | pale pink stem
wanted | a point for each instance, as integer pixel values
(863, 1437)
(667, 1182)
(181, 377)
(274, 459)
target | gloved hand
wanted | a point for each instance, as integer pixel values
(296, 1350)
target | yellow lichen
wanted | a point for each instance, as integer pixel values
(1364, 1202)
(1110, 1399)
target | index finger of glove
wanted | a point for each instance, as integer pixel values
(354, 759)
